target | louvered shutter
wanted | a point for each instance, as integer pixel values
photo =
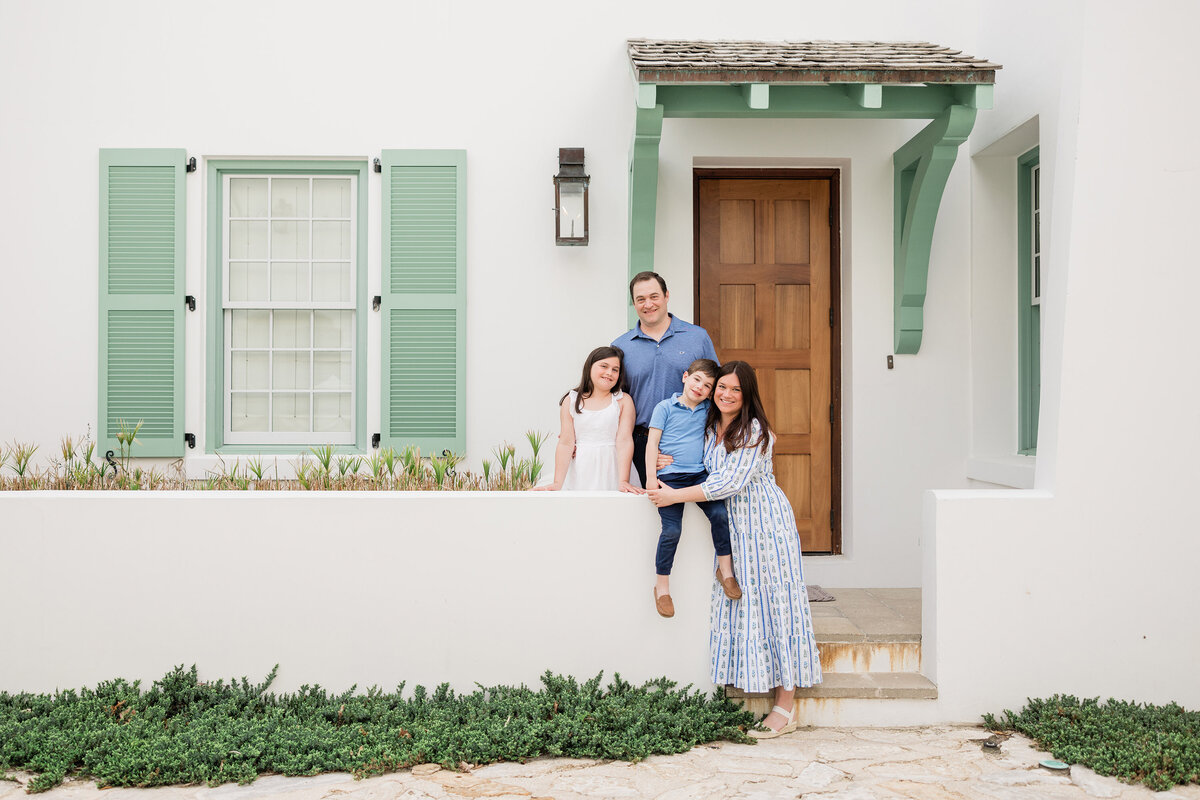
(424, 299)
(142, 224)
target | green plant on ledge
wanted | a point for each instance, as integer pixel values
(184, 730)
(1156, 745)
(320, 469)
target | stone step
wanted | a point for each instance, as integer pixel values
(851, 685)
(869, 656)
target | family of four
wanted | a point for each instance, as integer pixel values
(695, 431)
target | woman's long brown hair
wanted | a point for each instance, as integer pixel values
(738, 432)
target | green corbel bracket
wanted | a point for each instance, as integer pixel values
(922, 167)
(643, 191)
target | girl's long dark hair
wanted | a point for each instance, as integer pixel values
(738, 432)
(585, 388)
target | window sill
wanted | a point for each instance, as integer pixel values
(1014, 471)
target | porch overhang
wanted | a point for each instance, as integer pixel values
(840, 80)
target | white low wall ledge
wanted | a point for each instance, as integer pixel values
(341, 588)
(1014, 471)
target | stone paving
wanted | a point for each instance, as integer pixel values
(931, 763)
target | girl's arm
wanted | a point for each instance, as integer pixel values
(652, 440)
(566, 446)
(625, 446)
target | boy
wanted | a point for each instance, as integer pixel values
(677, 429)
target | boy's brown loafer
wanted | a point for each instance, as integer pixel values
(730, 586)
(663, 604)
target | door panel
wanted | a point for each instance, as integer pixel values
(764, 292)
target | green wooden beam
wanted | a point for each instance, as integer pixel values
(866, 95)
(646, 95)
(922, 167)
(643, 191)
(921, 101)
(756, 95)
(975, 95)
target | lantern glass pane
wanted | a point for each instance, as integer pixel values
(570, 210)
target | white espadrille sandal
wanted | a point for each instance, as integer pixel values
(789, 725)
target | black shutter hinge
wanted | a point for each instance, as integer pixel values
(831, 519)
(831, 316)
(190, 438)
(190, 166)
(189, 302)
(378, 165)
(831, 413)
(831, 216)
(376, 302)
(375, 437)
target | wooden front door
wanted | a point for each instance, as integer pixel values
(766, 292)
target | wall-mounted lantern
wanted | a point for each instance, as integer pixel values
(570, 198)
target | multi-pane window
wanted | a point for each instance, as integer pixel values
(1029, 299)
(288, 271)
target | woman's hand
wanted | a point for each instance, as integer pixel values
(663, 461)
(629, 488)
(663, 496)
(549, 487)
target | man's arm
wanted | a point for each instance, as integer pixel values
(652, 440)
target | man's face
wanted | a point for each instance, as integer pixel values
(650, 302)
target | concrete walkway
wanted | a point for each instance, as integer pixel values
(937, 763)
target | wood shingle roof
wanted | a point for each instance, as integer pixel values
(722, 61)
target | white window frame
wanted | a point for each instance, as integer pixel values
(302, 437)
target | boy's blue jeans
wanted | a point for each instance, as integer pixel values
(672, 521)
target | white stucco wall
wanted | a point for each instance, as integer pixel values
(264, 81)
(344, 587)
(1084, 586)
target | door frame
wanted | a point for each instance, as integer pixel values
(834, 177)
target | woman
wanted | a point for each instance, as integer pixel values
(764, 641)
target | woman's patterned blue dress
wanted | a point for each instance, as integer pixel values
(765, 639)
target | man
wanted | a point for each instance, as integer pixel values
(657, 352)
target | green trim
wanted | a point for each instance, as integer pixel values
(1029, 335)
(865, 95)
(143, 303)
(921, 168)
(426, 313)
(756, 95)
(214, 425)
(643, 191)
(838, 100)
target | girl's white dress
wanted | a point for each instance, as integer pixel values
(765, 639)
(594, 468)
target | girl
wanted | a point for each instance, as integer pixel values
(595, 445)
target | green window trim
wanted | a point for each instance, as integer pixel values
(1029, 335)
(214, 393)
(142, 259)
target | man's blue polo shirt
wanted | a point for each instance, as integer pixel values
(682, 433)
(655, 369)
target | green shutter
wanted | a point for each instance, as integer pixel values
(424, 299)
(142, 222)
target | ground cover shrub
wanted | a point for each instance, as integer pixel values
(1157, 745)
(184, 730)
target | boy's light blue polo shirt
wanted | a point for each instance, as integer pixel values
(682, 433)
(655, 369)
